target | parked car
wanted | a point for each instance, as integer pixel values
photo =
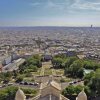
(10, 84)
(4, 85)
(5, 82)
(36, 84)
(31, 83)
(70, 83)
(0, 86)
(79, 80)
(74, 82)
(21, 83)
(26, 83)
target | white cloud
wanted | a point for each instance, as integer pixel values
(51, 4)
(69, 5)
(54, 5)
(86, 5)
(35, 4)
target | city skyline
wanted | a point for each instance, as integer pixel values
(49, 12)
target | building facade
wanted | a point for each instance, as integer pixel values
(50, 90)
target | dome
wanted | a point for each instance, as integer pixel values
(20, 95)
(82, 96)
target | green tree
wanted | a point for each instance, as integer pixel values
(88, 64)
(70, 61)
(78, 89)
(19, 78)
(75, 69)
(92, 81)
(88, 77)
(71, 90)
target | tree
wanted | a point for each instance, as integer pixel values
(70, 61)
(71, 90)
(8, 93)
(88, 64)
(6, 76)
(19, 79)
(34, 68)
(75, 69)
(3, 95)
(88, 77)
(92, 80)
(95, 83)
(57, 62)
(78, 89)
(31, 65)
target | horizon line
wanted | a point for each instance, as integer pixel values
(46, 26)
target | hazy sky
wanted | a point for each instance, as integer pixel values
(49, 12)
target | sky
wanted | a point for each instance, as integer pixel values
(49, 12)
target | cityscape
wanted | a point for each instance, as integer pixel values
(49, 50)
(32, 56)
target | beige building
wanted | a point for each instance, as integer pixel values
(50, 90)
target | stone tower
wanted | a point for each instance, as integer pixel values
(20, 95)
(82, 96)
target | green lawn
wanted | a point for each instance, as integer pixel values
(48, 71)
(36, 73)
(59, 71)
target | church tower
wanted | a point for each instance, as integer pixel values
(82, 96)
(20, 95)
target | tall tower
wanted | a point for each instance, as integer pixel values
(91, 26)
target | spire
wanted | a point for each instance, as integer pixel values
(20, 95)
(50, 79)
(82, 96)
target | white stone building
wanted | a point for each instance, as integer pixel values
(49, 91)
